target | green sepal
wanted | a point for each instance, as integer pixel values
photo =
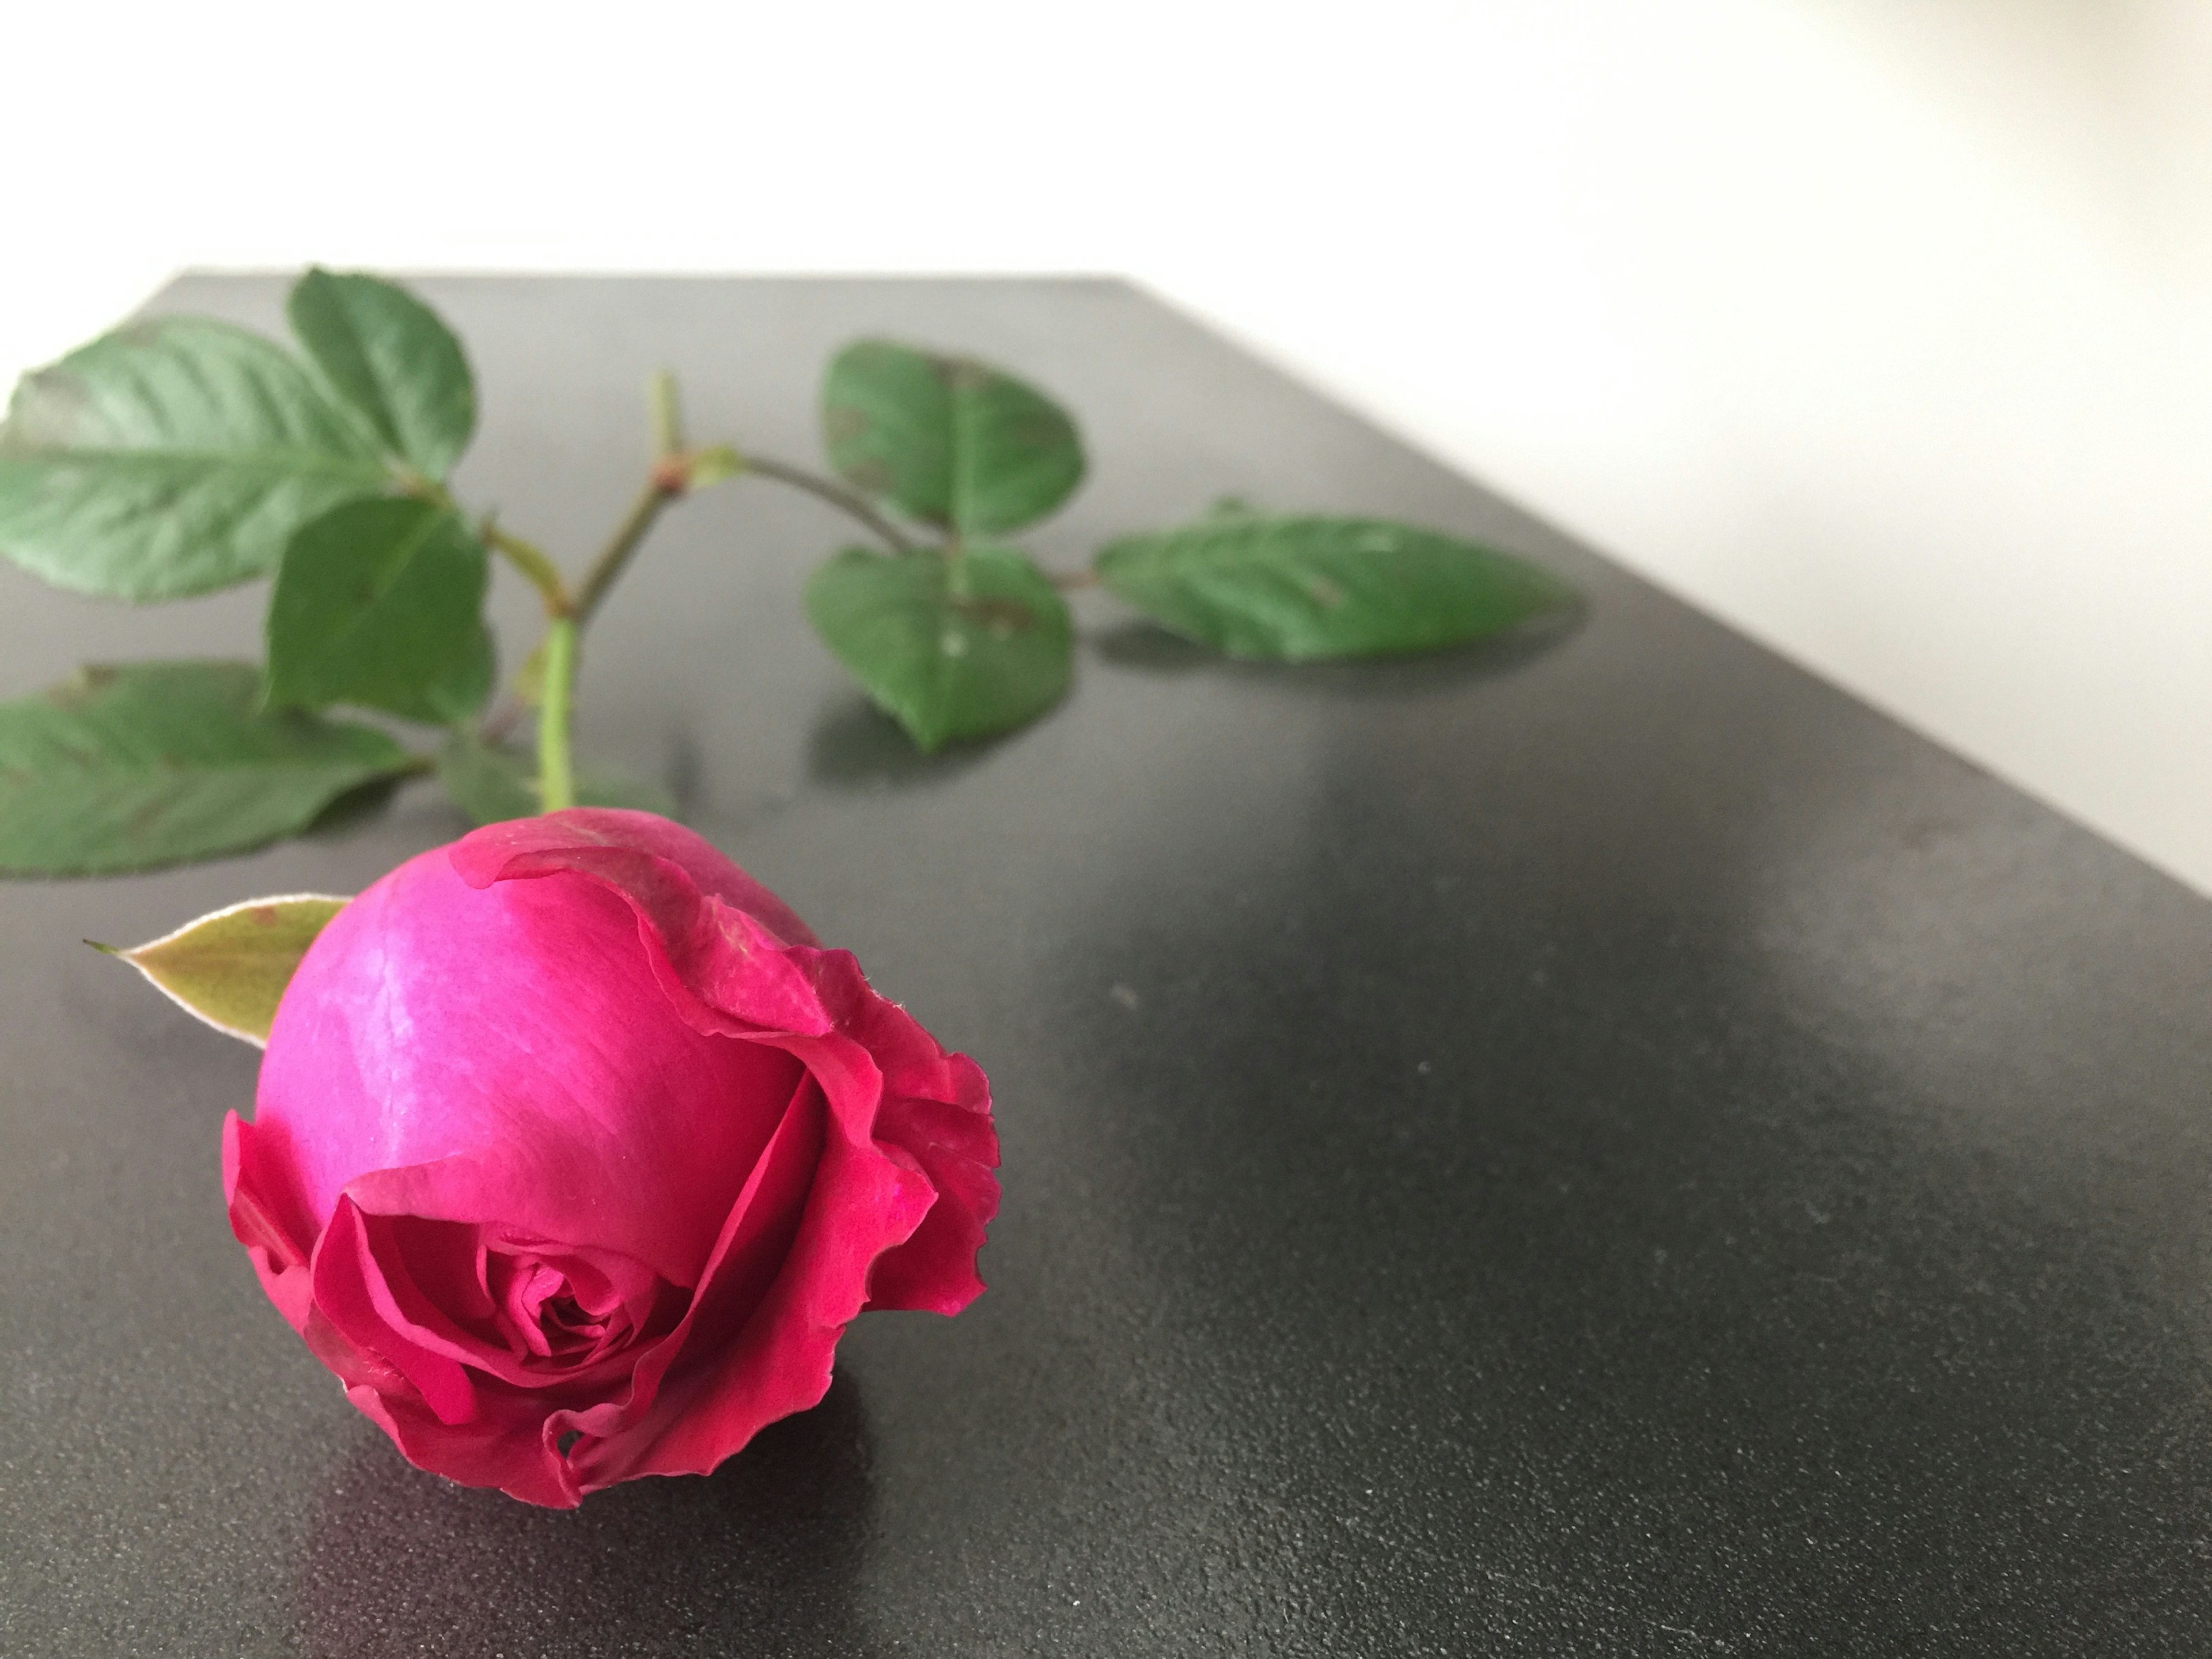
(230, 968)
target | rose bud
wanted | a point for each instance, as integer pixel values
(574, 1152)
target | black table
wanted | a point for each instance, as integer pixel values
(1600, 1145)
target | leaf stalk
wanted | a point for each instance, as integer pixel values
(660, 490)
(536, 569)
(667, 416)
(851, 502)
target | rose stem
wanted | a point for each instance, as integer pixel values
(671, 478)
(556, 775)
(670, 481)
(668, 430)
(665, 485)
(848, 501)
(527, 557)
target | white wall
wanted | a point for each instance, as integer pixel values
(1880, 329)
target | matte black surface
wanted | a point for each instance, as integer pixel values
(1605, 1147)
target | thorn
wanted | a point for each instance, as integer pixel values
(107, 950)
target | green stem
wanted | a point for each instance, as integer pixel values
(557, 772)
(656, 495)
(848, 501)
(667, 416)
(569, 609)
(540, 571)
(671, 481)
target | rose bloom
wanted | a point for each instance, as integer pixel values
(574, 1152)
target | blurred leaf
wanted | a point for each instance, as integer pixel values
(529, 686)
(1303, 589)
(392, 361)
(134, 767)
(493, 783)
(462, 692)
(952, 442)
(170, 458)
(379, 603)
(950, 648)
(230, 968)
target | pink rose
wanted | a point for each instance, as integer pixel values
(574, 1152)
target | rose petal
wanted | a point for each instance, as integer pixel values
(519, 1032)
(746, 1258)
(728, 1383)
(263, 1209)
(351, 1291)
(725, 971)
(602, 1148)
(569, 839)
(896, 1083)
(504, 1453)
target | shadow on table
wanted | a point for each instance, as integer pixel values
(854, 744)
(760, 1557)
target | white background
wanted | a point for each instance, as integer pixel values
(1883, 329)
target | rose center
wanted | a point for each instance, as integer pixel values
(564, 1310)
(561, 1311)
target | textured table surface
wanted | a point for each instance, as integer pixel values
(1600, 1146)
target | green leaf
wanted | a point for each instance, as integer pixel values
(230, 968)
(462, 692)
(379, 603)
(391, 360)
(1307, 588)
(952, 442)
(170, 458)
(949, 647)
(152, 763)
(493, 783)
